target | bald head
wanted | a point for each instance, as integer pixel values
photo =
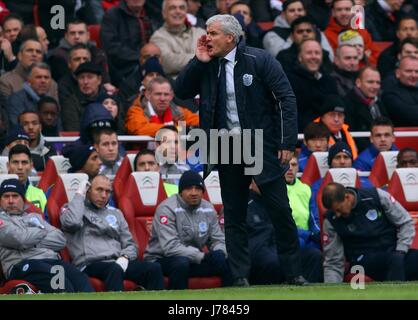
(407, 72)
(147, 51)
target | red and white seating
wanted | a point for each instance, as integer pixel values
(383, 167)
(55, 165)
(316, 167)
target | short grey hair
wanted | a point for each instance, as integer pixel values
(164, 4)
(39, 65)
(229, 24)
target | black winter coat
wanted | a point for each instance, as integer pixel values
(268, 103)
(378, 23)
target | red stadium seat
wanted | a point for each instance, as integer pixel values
(94, 30)
(213, 191)
(121, 177)
(315, 168)
(406, 142)
(383, 167)
(55, 165)
(404, 188)
(382, 45)
(267, 25)
(144, 191)
(69, 133)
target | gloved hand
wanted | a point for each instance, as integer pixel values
(123, 262)
(83, 187)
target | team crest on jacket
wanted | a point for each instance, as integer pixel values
(203, 227)
(112, 221)
(371, 214)
(247, 79)
(164, 220)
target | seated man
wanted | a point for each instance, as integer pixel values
(15, 136)
(83, 159)
(100, 242)
(339, 156)
(167, 153)
(40, 149)
(382, 138)
(367, 227)
(107, 145)
(332, 115)
(29, 246)
(48, 109)
(178, 246)
(265, 263)
(159, 111)
(315, 139)
(299, 196)
(407, 158)
(21, 164)
(145, 161)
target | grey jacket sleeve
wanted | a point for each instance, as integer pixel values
(54, 239)
(273, 43)
(400, 218)
(333, 255)
(169, 238)
(128, 244)
(217, 237)
(19, 237)
(72, 214)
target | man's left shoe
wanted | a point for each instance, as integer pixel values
(297, 281)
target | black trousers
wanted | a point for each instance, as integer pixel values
(146, 274)
(178, 269)
(266, 266)
(389, 266)
(235, 191)
(38, 272)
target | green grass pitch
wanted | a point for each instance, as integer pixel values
(372, 291)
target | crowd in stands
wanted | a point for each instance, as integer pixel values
(111, 72)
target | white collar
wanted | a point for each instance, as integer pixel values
(151, 109)
(231, 55)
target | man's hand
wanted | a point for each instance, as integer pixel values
(123, 262)
(6, 47)
(285, 156)
(83, 187)
(110, 89)
(202, 50)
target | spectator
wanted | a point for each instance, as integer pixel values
(265, 262)
(175, 38)
(407, 28)
(345, 68)
(223, 6)
(407, 158)
(381, 17)
(39, 84)
(332, 115)
(309, 83)
(68, 84)
(354, 39)
(112, 253)
(113, 104)
(382, 138)
(77, 33)
(158, 112)
(43, 39)
(15, 136)
(107, 145)
(315, 138)
(40, 149)
(29, 246)
(134, 84)
(124, 30)
(193, 7)
(401, 97)
(11, 27)
(145, 161)
(341, 21)
(277, 39)
(253, 33)
(30, 52)
(83, 159)
(363, 103)
(89, 78)
(339, 156)
(21, 164)
(180, 250)
(302, 29)
(48, 110)
(167, 153)
(367, 227)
